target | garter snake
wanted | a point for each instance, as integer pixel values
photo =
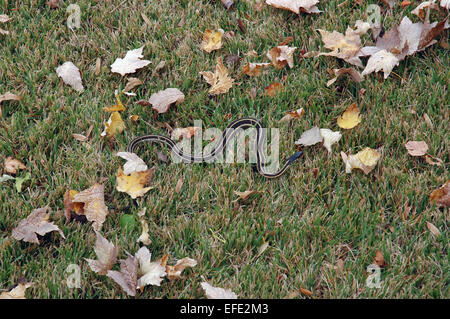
(227, 135)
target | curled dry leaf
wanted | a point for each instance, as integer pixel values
(296, 6)
(306, 292)
(433, 160)
(150, 273)
(420, 9)
(35, 224)
(329, 138)
(133, 184)
(11, 165)
(245, 195)
(145, 236)
(132, 83)
(281, 56)
(212, 292)
(381, 61)
(441, 196)
(18, 292)
(95, 209)
(220, 81)
(115, 125)
(126, 278)
(310, 137)
(354, 75)
(134, 163)
(162, 100)
(212, 40)
(433, 229)
(366, 160)
(379, 260)
(71, 75)
(293, 115)
(273, 89)
(254, 69)
(8, 96)
(174, 272)
(70, 206)
(118, 107)
(350, 118)
(130, 63)
(106, 255)
(416, 148)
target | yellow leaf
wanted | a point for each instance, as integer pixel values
(116, 107)
(219, 80)
(114, 125)
(364, 160)
(133, 184)
(350, 118)
(212, 40)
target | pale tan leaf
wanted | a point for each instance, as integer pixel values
(71, 75)
(132, 83)
(433, 229)
(217, 293)
(212, 40)
(8, 96)
(310, 137)
(281, 56)
(106, 255)
(130, 63)
(17, 292)
(329, 138)
(11, 165)
(134, 163)
(296, 6)
(293, 115)
(416, 148)
(126, 278)
(174, 272)
(95, 209)
(254, 69)
(220, 81)
(145, 236)
(162, 100)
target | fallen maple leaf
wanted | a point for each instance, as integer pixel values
(281, 56)
(441, 196)
(162, 100)
(71, 75)
(18, 292)
(416, 148)
(11, 165)
(134, 163)
(354, 75)
(151, 273)
(174, 272)
(219, 80)
(35, 224)
(296, 6)
(126, 278)
(130, 63)
(254, 69)
(350, 118)
(366, 160)
(115, 125)
(106, 255)
(217, 293)
(212, 40)
(95, 209)
(8, 96)
(133, 184)
(381, 61)
(293, 115)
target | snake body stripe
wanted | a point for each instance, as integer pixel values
(227, 136)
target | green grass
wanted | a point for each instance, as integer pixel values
(324, 218)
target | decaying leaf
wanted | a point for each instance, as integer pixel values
(433, 229)
(273, 89)
(71, 75)
(381, 61)
(53, 4)
(134, 163)
(416, 148)
(245, 195)
(18, 292)
(293, 115)
(433, 160)
(212, 292)
(350, 118)
(379, 260)
(134, 184)
(145, 236)
(354, 75)
(11, 165)
(420, 9)
(70, 206)
(254, 69)
(329, 138)
(8, 96)
(366, 160)
(131, 84)
(220, 81)
(115, 125)
(281, 56)
(126, 278)
(212, 40)
(37, 223)
(296, 6)
(95, 209)
(130, 63)
(441, 196)
(150, 273)
(106, 255)
(310, 137)
(174, 272)
(3, 19)
(162, 100)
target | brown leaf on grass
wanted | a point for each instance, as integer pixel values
(273, 89)
(174, 272)
(254, 69)
(220, 81)
(126, 278)
(212, 40)
(79, 137)
(132, 83)
(379, 260)
(106, 255)
(8, 96)
(212, 292)
(405, 3)
(134, 184)
(441, 196)
(98, 66)
(281, 56)
(145, 236)
(293, 115)
(37, 223)
(433, 229)
(53, 4)
(18, 292)
(3, 19)
(245, 195)
(354, 75)
(11, 165)
(95, 209)
(416, 148)
(305, 292)
(162, 100)
(179, 185)
(433, 160)
(296, 6)
(70, 206)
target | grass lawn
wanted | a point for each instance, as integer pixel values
(310, 222)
